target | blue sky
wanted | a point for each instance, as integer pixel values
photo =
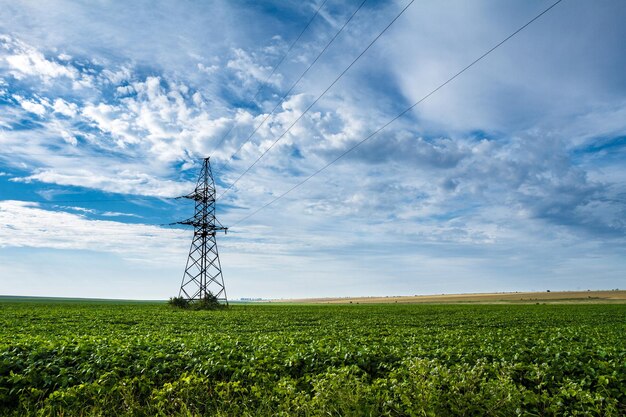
(510, 178)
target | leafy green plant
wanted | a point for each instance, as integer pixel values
(178, 302)
(142, 359)
(208, 302)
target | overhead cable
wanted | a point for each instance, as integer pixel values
(347, 151)
(294, 85)
(273, 71)
(317, 99)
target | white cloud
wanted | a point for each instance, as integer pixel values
(66, 109)
(117, 181)
(211, 69)
(69, 138)
(97, 212)
(491, 163)
(534, 80)
(118, 214)
(23, 60)
(26, 224)
(81, 209)
(125, 90)
(33, 107)
(113, 120)
(247, 68)
(118, 76)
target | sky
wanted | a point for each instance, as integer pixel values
(512, 177)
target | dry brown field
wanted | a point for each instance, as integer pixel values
(610, 296)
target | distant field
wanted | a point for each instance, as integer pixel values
(514, 297)
(62, 300)
(60, 358)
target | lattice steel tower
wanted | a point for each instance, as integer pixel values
(203, 272)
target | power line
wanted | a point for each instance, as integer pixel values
(399, 115)
(296, 83)
(318, 98)
(291, 47)
(273, 71)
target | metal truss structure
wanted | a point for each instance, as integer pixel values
(203, 272)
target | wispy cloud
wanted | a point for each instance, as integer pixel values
(28, 225)
(524, 151)
(23, 60)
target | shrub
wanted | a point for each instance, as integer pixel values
(178, 302)
(209, 302)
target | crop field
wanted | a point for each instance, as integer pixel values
(575, 297)
(146, 359)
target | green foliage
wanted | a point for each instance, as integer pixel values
(178, 302)
(103, 359)
(208, 302)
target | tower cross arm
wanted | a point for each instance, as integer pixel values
(202, 224)
(198, 196)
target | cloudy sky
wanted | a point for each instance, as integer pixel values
(510, 178)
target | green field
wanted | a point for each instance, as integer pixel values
(145, 359)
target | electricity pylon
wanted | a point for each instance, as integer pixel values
(203, 272)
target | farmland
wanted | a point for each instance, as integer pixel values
(613, 296)
(99, 358)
